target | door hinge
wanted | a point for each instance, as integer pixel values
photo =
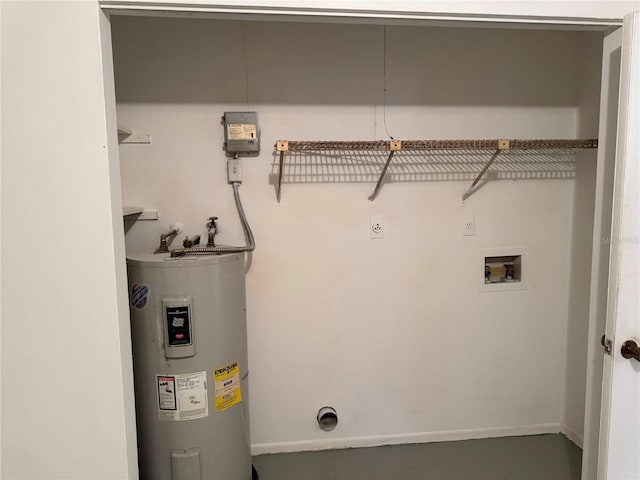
(606, 344)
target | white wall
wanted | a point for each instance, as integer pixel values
(394, 333)
(67, 404)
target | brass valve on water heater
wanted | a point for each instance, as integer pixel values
(213, 230)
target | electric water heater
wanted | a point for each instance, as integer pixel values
(189, 339)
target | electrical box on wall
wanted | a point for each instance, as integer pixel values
(241, 133)
(502, 269)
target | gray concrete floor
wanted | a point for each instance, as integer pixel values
(537, 457)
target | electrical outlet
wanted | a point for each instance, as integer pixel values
(376, 227)
(469, 226)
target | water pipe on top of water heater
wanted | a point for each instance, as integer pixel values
(211, 248)
(174, 229)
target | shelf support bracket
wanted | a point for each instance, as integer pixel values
(281, 146)
(394, 146)
(126, 135)
(502, 145)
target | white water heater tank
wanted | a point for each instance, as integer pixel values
(189, 335)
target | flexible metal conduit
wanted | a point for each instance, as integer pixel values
(248, 234)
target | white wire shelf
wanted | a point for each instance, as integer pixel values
(423, 161)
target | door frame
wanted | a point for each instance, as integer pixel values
(556, 14)
(207, 9)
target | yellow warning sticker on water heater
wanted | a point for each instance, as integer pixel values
(227, 386)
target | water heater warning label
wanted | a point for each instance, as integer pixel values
(166, 393)
(227, 386)
(182, 397)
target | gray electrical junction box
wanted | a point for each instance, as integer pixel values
(241, 134)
